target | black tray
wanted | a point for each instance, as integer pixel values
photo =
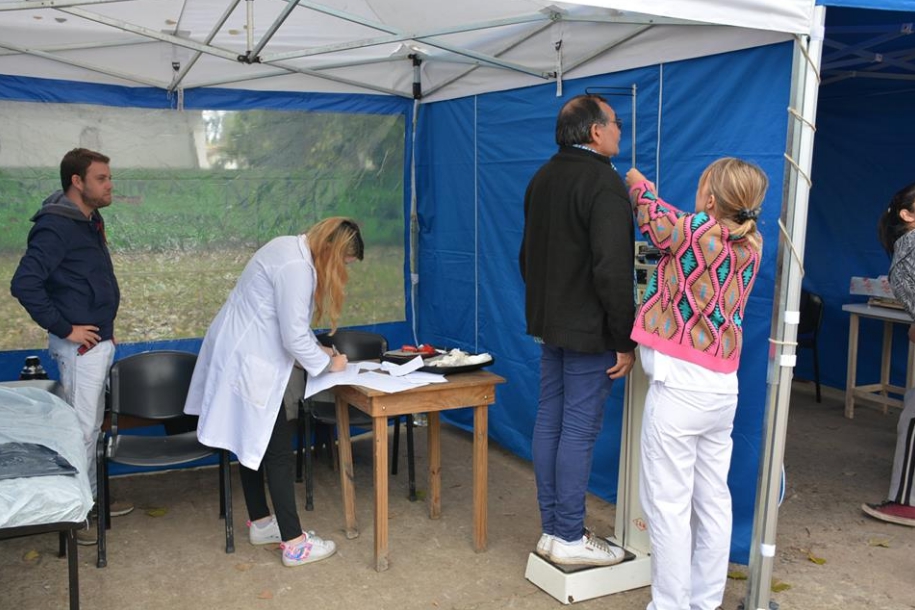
(400, 357)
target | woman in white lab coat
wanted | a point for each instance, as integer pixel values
(246, 359)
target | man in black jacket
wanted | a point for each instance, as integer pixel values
(66, 282)
(577, 258)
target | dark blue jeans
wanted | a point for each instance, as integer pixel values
(573, 389)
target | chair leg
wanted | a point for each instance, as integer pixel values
(72, 568)
(225, 489)
(101, 472)
(222, 487)
(816, 370)
(411, 465)
(305, 419)
(300, 445)
(395, 445)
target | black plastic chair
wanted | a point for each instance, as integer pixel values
(321, 411)
(154, 385)
(808, 330)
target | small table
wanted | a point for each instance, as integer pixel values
(875, 392)
(476, 389)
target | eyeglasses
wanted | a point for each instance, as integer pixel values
(619, 122)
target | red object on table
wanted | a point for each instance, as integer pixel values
(422, 349)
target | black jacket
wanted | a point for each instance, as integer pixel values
(66, 276)
(577, 254)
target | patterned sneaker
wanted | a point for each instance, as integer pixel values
(543, 545)
(311, 548)
(589, 551)
(266, 533)
(891, 512)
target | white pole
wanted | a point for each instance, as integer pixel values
(804, 90)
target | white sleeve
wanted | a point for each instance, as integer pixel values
(293, 290)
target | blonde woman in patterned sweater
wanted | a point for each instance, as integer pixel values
(689, 330)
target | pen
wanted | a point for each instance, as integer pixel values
(334, 347)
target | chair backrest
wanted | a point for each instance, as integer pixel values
(356, 344)
(811, 310)
(152, 385)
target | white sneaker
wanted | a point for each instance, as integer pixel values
(589, 551)
(311, 548)
(264, 534)
(544, 544)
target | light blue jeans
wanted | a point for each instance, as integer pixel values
(573, 389)
(83, 379)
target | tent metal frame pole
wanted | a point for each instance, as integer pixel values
(271, 31)
(395, 36)
(209, 39)
(414, 226)
(84, 65)
(785, 316)
(487, 59)
(149, 33)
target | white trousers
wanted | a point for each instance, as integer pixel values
(83, 379)
(686, 455)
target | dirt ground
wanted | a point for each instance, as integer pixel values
(829, 554)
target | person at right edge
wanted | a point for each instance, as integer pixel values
(898, 239)
(577, 261)
(690, 334)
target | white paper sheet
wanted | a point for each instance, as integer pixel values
(399, 370)
(329, 379)
(422, 378)
(370, 375)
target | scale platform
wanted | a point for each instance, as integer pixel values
(570, 584)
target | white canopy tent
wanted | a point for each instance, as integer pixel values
(372, 46)
(434, 50)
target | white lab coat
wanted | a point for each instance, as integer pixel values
(248, 352)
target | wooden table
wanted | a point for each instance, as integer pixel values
(875, 392)
(476, 389)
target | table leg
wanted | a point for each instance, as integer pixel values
(434, 436)
(480, 476)
(909, 372)
(885, 361)
(345, 453)
(380, 430)
(852, 366)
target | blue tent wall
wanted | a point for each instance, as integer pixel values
(477, 157)
(862, 156)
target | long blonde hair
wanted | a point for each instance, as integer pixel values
(739, 188)
(332, 241)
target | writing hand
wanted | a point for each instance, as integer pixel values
(338, 363)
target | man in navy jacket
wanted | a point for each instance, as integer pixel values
(576, 260)
(66, 282)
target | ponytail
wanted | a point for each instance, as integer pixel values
(891, 226)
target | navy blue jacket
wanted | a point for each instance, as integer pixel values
(66, 276)
(577, 254)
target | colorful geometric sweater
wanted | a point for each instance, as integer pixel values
(694, 302)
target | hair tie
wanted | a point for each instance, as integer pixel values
(746, 214)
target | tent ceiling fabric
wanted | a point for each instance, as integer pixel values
(368, 46)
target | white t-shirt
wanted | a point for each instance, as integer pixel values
(683, 375)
